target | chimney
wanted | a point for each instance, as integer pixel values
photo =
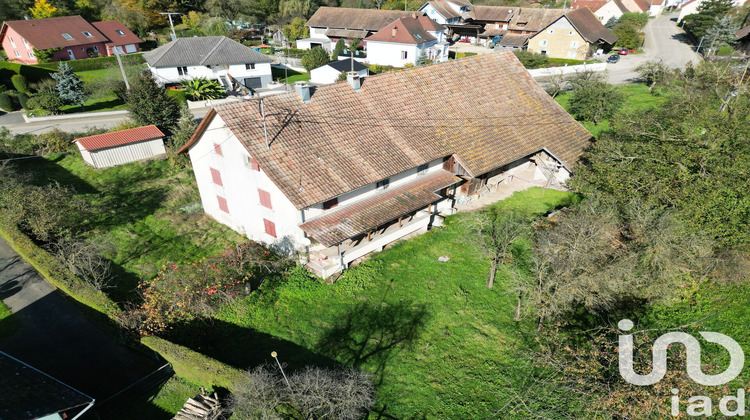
(354, 80)
(414, 15)
(393, 31)
(303, 90)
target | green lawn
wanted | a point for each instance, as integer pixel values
(293, 76)
(8, 323)
(637, 97)
(439, 343)
(163, 405)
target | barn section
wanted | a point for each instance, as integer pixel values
(120, 147)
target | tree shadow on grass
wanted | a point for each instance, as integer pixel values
(45, 171)
(93, 107)
(372, 332)
(241, 347)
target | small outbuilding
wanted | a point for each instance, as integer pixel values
(121, 147)
(330, 72)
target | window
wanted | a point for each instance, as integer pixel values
(422, 169)
(383, 184)
(216, 177)
(265, 198)
(250, 66)
(551, 31)
(270, 227)
(67, 36)
(25, 43)
(182, 71)
(12, 43)
(432, 11)
(223, 204)
(543, 43)
(217, 149)
(497, 26)
(573, 44)
(31, 54)
(404, 55)
(18, 54)
(119, 32)
(417, 36)
(95, 48)
(570, 32)
(252, 163)
(87, 34)
(505, 26)
(331, 203)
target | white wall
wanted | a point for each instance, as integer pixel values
(551, 71)
(308, 43)
(113, 156)
(319, 33)
(436, 16)
(389, 53)
(164, 75)
(607, 12)
(327, 75)
(689, 9)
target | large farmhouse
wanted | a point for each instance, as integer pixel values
(342, 170)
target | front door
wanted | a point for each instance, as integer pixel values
(71, 55)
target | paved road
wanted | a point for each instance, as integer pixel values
(664, 41)
(15, 123)
(55, 337)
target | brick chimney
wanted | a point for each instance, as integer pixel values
(394, 31)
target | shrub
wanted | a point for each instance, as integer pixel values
(6, 102)
(20, 83)
(46, 101)
(315, 58)
(532, 60)
(23, 99)
(96, 63)
(725, 51)
(202, 89)
(377, 68)
(149, 104)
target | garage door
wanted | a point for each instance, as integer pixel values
(130, 48)
(253, 82)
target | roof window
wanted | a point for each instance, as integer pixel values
(87, 34)
(119, 32)
(67, 36)
(417, 36)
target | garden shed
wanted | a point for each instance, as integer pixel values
(120, 147)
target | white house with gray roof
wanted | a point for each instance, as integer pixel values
(212, 57)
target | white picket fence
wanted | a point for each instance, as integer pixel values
(554, 71)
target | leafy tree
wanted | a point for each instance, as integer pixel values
(149, 104)
(636, 20)
(315, 58)
(595, 101)
(722, 33)
(627, 36)
(42, 9)
(709, 14)
(214, 26)
(342, 77)
(653, 73)
(130, 13)
(202, 89)
(338, 49)
(69, 85)
(495, 233)
(89, 11)
(6, 102)
(194, 20)
(311, 393)
(43, 56)
(290, 9)
(296, 30)
(611, 23)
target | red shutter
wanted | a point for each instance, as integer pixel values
(270, 227)
(265, 198)
(216, 176)
(254, 164)
(217, 149)
(223, 204)
(331, 203)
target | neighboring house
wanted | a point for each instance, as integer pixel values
(279, 38)
(613, 9)
(29, 393)
(405, 40)
(447, 12)
(345, 169)
(121, 147)
(494, 20)
(656, 7)
(743, 38)
(513, 42)
(596, 7)
(72, 36)
(573, 35)
(330, 72)
(329, 24)
(691, 7)
(212, 57)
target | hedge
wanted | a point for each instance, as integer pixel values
(44, 263)
(193, 366)
(99, 63)
(6, 102)
(31, 73)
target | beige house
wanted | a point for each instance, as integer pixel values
(573, 35)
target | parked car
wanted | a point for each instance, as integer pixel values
(613, 58)
(623, 52)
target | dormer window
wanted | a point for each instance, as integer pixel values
(381, 185)
(417, 36)
(119, 32)
(87, 34)
(67, 36)
(422, 169)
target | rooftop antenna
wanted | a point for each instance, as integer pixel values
(171, 24)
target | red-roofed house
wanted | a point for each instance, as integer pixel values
(72, 35)
(405, 39)
(121, 147)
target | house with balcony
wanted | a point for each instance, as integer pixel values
(575, 35)
(407, 39)
(338, 171)
(218, 58)
(71, 38)
(447, 12)
(329, 24)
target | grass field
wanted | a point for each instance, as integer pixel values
(293, 76)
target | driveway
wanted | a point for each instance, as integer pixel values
(56, 338)
(664, 41)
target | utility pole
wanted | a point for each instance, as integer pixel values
(171, 24)
(698, 48)
(119, 61)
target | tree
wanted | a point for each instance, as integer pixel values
(595, 101)
(312, 393)
(653, 72)
(338, 49)
(531, 60)
(611, 23)
(194, 20)
(214, 26)
(47, 101)
(709, 14)
(149, 104)
(85, 261)
(296, 30)
(202, 89)
(721, 34)
(20, 83)
(636, 20)
(42, 9)
(495, 233)
(315, 58)
(43, 56)
(627, 36)
(69, 86)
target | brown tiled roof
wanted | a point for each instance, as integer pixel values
(594, 5)
(535, 19)
(635, 6)
(347, 33)
(589, 26)
(642, 5)
(622, 7)
(47, 33)
(742, 32)
(514, 40)
(406, 30)
(445, 10)
(495, 13)
(429, 24)
(351, 220)
(490, 31)
(109, 29)
(486, 110)
(348, 18)
(119, 138)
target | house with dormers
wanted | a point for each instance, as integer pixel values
(329, 24)
(72, 38)
(574, 35)
(338, 171)
(405, 40)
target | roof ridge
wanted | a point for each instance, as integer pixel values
(211, 51)
(161, 54)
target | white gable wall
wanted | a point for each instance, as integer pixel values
(390, 53)
(607, 12)
(433, 14)
(165, 75)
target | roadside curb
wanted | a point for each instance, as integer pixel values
(73, 116)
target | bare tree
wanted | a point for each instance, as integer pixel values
(653, 73)
(84, 260)
(494, 233)
(556, 84)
